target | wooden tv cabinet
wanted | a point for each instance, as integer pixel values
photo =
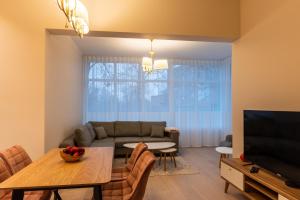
(256, 186)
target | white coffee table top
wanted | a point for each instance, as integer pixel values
(152, 145)
(224, 150)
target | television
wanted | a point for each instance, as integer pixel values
(272, 141)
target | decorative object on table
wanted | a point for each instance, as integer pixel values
(150, 64)
(72, 154)
(77, 15)
(227, 142)
(242, 157)
(171, 152)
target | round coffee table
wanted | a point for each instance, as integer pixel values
(151, 146)
(225, 152)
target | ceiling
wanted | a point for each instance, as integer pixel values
(131, 47)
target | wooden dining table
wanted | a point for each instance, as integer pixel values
(50, 172)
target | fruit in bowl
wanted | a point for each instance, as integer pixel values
(72, 153)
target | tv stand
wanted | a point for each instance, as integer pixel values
(256, 186)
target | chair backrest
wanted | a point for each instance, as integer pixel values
(16, 158)
(137, 151)
(4, 174)
(139, 175)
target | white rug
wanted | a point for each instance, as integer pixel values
(182, 168)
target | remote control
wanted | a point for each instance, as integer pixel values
(254, 169)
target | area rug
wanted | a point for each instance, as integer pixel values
(182, 168)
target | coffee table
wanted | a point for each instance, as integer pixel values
(151, 146)
(224, 151)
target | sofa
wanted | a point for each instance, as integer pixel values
(115, 134)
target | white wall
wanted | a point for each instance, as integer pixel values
(64, 89)
(265, 61)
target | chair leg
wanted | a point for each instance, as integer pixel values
(226, 186)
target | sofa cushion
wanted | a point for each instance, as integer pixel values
(100, 132)
(106, 142)
(123, 140)
(157, 131)
(127, 129)
(83, 137)
(154, 139)
(108, 126)
(146, 127)
(91, 129)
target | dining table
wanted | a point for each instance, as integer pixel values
(51, 172)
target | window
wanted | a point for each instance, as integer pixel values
(191, 95)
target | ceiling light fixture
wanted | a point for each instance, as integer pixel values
(149, 64)
(77, 15)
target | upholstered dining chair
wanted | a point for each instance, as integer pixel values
(122, 173)
(16, 158)
(134, 186)
(7, 194)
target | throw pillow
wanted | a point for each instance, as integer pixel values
(100, 132)
(91, 129)
(83, 137)
(157, 131)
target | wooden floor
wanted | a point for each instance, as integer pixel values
(207, 185)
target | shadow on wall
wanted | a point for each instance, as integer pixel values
(262, 12)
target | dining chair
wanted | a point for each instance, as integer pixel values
(7, 194)
(14, 159)
(134, 186)
(122, 173)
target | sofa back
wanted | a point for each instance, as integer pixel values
(128, 128)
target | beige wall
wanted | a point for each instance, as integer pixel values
(64, 89)
(266, 61)
(22, 48)
(21, 86)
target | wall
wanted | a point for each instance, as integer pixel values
(64, 89)
(23, 45)
(266, 61)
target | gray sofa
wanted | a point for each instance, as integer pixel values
(120, 132)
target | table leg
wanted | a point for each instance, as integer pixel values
(165, 164)
(126, 157)
(17, 195)
(173, 154)
(160, 158)
(226, 186)
(56, 195)
(97, 192)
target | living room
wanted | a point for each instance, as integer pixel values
(41, 89)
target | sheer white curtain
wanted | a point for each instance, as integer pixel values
(192, 95)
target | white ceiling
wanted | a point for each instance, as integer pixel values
(106, 46)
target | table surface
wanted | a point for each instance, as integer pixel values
(50, 171)
(224, 150)
(152, 145)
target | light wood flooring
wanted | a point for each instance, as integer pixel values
(207, 185)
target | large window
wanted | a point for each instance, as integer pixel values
(191, 95)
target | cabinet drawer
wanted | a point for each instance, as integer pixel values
(232, 175)
(281, 197)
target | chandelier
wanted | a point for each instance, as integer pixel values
(77, 15)
(150, 64)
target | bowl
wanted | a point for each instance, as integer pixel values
(72, 154)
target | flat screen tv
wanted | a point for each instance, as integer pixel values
(272, 141)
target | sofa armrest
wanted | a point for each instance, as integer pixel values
(173, 133)
(69, 141)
